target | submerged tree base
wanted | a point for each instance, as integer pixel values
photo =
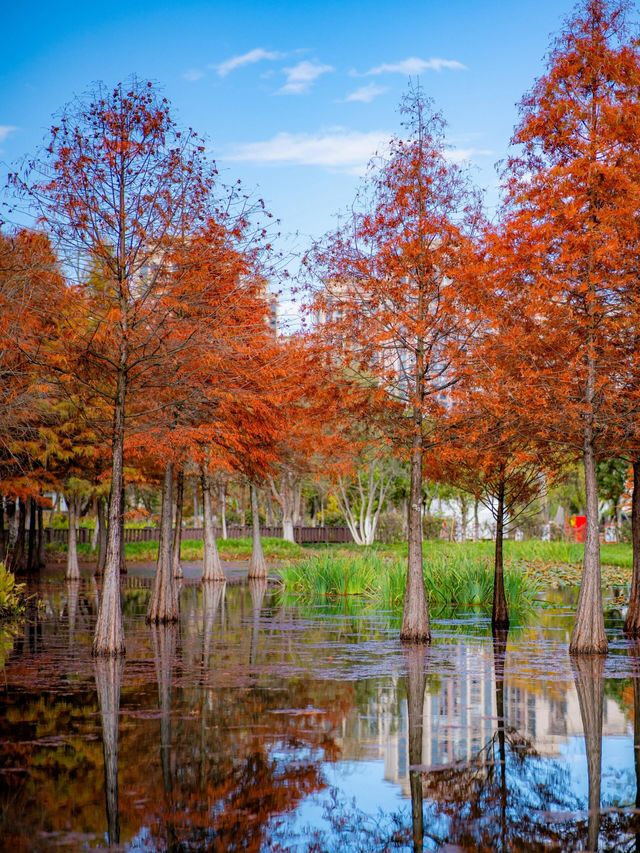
(162, 620)
(106, 651)
(410, 638)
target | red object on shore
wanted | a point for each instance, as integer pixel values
(576, 528)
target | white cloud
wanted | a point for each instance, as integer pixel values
(415, 65)
(192, 75)
(6, 130)
(302, 76)
(346, 150)
(366, 94)
(258, 54)
(459, 155)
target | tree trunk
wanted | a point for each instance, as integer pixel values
(31, 542)
(108, 675)
(500, 612)
(95, 533)
(164, 606)
(109, 635)
(288, 533)
(223, 509)
(3, 535)
(415, 617)
(588, 635)
(17, 556)
(123, 559)
(177, 533)
(588, 676)
(257, 564)
(416, 683)
(196, 510)
(288, 499)
(476, 520)
(73, 570)
(632, 622)
(212, 567)
(102, 538)
(12, 530)
(41, 545)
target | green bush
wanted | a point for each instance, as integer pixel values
(12, 598)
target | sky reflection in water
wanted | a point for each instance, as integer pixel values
(258, 725)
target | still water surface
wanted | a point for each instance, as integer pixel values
(259, 725)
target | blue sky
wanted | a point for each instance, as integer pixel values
(292, 97)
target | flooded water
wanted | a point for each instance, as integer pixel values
(259, 725)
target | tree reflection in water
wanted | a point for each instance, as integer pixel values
(108, 675)
(416, 660)
(229, 725)
(588, 673)
(257, 590)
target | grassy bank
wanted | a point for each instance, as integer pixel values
(554, 564)
(465, 582)
(192, 550)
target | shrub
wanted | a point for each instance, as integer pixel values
(391, 527)
(12, 599)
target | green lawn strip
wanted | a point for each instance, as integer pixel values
(193, 549)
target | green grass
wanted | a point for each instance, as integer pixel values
(193, 550)
(461, 582)
(12, 598)
(530, 550)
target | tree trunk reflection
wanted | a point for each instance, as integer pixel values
(499, 655)
(108, 674)
(257, 588)
(416, 659)
(588, 673)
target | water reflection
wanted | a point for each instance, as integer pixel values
(255, 723)
(108, 675)
(416, 661)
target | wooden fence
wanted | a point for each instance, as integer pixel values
(302, 535)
